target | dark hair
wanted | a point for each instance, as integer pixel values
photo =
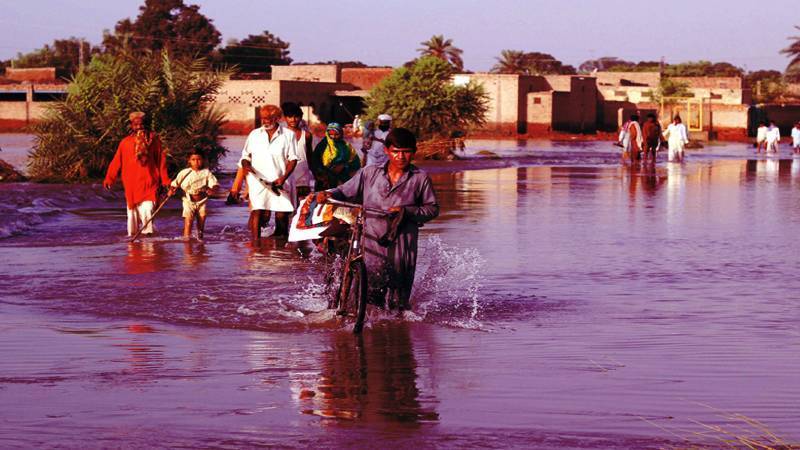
(291, 109)
(196, 151)
(651, 116)
(635, 117)
(401, 138)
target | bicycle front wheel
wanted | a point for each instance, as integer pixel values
(353, 295)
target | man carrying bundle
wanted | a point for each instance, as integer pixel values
(144, 169)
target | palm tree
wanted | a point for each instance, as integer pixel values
(442, 48)
(793, 51)
(511, 61)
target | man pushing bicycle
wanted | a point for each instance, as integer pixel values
(390, 242)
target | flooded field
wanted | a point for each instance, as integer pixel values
(562, 301)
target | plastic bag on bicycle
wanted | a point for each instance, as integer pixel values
(313, 218)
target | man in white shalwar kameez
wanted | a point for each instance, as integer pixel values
(677, 138)
(773, 138)
(269, 158)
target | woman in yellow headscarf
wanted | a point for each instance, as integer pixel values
(334, 160)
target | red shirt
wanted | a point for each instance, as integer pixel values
(140, 179)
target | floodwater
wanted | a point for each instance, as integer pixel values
(562, 301)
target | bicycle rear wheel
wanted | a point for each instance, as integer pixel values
(353, 294)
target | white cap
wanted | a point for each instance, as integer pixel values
(384, 117)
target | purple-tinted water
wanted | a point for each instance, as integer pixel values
(563, 301)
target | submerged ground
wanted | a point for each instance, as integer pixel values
(563, 301)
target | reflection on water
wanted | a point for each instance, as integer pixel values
(145, 256)
(605, 295)
(370, 378)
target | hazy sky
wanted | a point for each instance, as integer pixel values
(388, 32)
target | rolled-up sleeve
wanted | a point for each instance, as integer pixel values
(427, 207)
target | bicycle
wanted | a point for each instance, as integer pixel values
(351, 297)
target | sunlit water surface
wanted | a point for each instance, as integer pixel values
(562, 301)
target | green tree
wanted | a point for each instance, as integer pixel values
(64, 55)
(703, 69)
(439, 47)
(424, 99)
(767, 86)
(256, 53)
(641, 66)
(78, 136)
(793, 52)
(511, 61)
(166, 24)
(669, 87)
(530, 63)
(603, 64)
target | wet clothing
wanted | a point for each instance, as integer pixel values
(194, 183)
(391, 268)
(795, 138)
(628, 142)
(269, 158)
(194, 208)
(143, 165)
(761, 135)
(773, 139)
(652, 134)
(139, 215)
(677, 138)
(333, 162)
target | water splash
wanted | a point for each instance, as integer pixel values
(448, 289)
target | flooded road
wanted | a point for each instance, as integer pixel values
(562, 301)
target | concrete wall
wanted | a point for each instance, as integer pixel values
(328, 73)
(632, 94)
(711, 82)
(576, 111)
(539, 111)
(240, 100)
(41, 74)
(503, 115)
(14, 110)
(560, 83)
(365, 78)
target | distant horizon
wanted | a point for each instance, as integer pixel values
(380, 36)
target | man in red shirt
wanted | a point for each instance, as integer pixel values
(144, 169)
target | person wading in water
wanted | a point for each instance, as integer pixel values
(390, 243)
(268, 159)
(144, 169)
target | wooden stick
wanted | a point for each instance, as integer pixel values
(163, 202)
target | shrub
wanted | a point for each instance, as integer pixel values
(79, 135)
(424, 99)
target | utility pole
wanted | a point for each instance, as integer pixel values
(80, 54)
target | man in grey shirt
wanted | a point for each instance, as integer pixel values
(390, 242)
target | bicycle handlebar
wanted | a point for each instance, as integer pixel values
(355, 205)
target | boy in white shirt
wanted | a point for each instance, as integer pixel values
(197, 184)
